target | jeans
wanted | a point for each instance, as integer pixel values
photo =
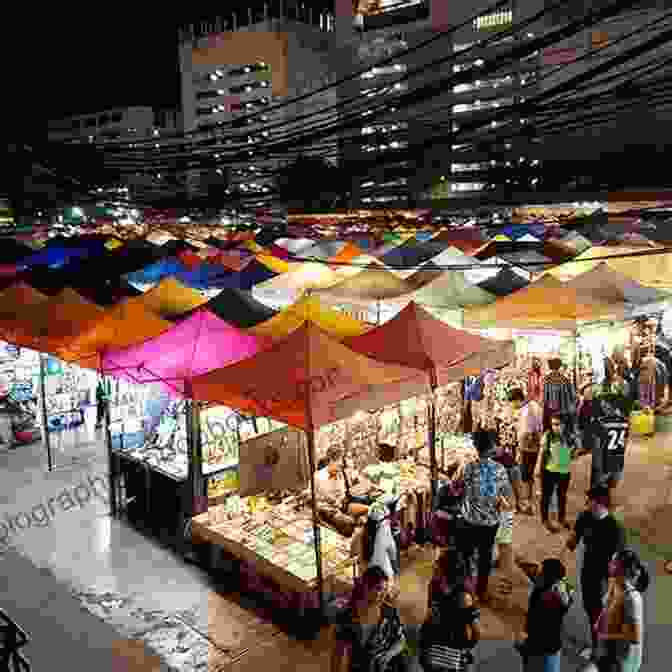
(549, 663)
(551, 480)
(481, 539)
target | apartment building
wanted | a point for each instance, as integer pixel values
(236, 67)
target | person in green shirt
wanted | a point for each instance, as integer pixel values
(554, 467)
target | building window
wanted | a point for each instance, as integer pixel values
(479, 105)
(205, 95)
(468, 167)
(467, 186)
(500, 20)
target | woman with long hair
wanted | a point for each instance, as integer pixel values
(451, 630)
(369, 635)
(621, 626)
(378, 544)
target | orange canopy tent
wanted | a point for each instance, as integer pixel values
(170, 299)
(123, 325)
(49, 325)
(545, 303)
(309, 380)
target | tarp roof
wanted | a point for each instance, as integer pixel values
(468, 240)
(451, 290)
(16, 299)
(275, 264)
(253, 274)
(56, 256)
(170, 299)
(232, 260)
(295, 245)
(528, 257)
(121, 326)
(156, 271)
(323, 250)
(591, 257)
(605, 284)
(349, 252)
(12, 251)
(504, 282)
(337, 324)
(411, 253)
(426, 274)
(576, 241)
(201, 343)
(309, 380)
(415, 339)
(545, 303)
(239, 308)
(373, 283)
(301, 277)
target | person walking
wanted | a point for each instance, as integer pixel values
(554, 466)
(451, 630)
(369, 635)
(621, 626)
(602, 536)
(486, 490)
(541, 644)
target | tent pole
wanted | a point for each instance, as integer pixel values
(114, 500)
(310, 435)
(431, 431)
(43, 408)
(195, 496)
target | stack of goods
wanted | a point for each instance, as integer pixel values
(413, 434)
(448, 409)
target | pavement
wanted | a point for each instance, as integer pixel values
(92, 591)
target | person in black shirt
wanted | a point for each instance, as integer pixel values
(541, 644)
(602, 536)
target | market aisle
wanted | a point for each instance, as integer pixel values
(145, 592)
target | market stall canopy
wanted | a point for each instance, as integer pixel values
(349, 252)
(591, 257)
(416, 339)
(576, 241)
(451, 290)
(170, 299)
(57, 256)
(121, 326)
(155, 272)
(356, 265)
(295, 245)
(254, 273)
(474, 270)
(49, 325)
(309, 380)
(373, 283)
(289, 286)
(545, 303)
(408, 255)
(12, 251)
(426, 274)
(503, 282)
(607, 285)
(195, 346)
(232, 260)
(323, 250)
(275, 264)
(239, 308)
(16, 300)
(468, 240)
(337, 324)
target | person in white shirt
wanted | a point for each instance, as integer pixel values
(331, 487)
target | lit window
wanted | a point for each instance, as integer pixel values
(467, 186)
(495, 21)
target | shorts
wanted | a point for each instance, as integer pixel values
(614, 477)
(528, 465)
(505, 530)
(514, 473)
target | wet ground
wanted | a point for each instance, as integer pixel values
(92, 590)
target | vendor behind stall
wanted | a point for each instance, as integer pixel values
(333, 486)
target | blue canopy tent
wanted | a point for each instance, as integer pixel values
(154, 273)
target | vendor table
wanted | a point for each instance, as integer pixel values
(277, 544)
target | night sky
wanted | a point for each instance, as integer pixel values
(110, 55)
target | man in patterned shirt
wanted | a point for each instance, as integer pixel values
(487, 490)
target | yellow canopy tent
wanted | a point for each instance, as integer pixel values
(651, 267)
(121, 326)
(276, 264)
(289, 286)
(338, 325)
(170, 299)
(546, 303)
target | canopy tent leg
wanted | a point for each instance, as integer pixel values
(196, 501)
(310, 435)
(43, 409)
(431, 434)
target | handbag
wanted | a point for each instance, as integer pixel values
(445, 658)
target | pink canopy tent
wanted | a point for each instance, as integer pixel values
(201, 343)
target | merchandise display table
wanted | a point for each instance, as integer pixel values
(276, 543)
